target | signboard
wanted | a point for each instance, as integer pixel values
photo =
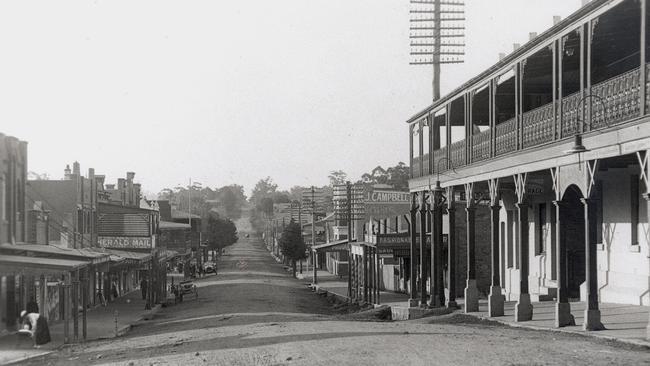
(399, 245)
(371, 202)
(124, 242)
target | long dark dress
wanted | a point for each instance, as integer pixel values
(42, 335)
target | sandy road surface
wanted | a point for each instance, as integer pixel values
(253, 313)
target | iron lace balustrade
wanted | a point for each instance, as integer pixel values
(619, 95)
(537, 125)
(438, 160)
(425, 165)
(506, 136)
(416, 167)
(481, 146)
(457, 153)
(570, 115)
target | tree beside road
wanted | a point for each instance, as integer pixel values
(292, 244)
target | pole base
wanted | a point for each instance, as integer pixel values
(563, 316)
(496, 300)
(523, 308)
(471, 297)
(452, 305)
(592, 320)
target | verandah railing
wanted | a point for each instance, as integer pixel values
(614, 101)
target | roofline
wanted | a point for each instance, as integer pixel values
(545, 36)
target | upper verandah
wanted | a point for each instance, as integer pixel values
(585, 12)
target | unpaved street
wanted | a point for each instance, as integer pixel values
(254, 313)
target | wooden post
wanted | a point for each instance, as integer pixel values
(451, 252)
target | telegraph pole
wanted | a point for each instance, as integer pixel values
(437, 35)
(348, 192)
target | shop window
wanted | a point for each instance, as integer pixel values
(616, 39)
(634, 209)
(541, 229)
(5, 199)
(505, 97)
(510, 238)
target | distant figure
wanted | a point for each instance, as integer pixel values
(101, 298)
(114, 292)
(143, 288)
(36, 326)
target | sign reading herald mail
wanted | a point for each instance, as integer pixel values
(124, 242)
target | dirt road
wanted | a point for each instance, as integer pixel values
(254, 313)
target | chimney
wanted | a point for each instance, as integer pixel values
(556, 19)
(532, 35)
(515, 46)
(92, 186)
(76, 170)
(137, 187)
(66, 172)
(501, 56)
(130, 196)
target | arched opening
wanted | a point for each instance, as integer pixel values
(572, 216)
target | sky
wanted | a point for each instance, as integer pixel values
(227, 92)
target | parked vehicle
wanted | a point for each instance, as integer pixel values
(188, 287)
(209, 267)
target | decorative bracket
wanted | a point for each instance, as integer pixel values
(493, 185)
(592, 168)
(414, 202)
(450, 197)
(555, 177)
(644, 164)
(472, 197)
(520, 186)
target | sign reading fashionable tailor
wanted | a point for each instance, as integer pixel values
(399, 245)
(124, 242)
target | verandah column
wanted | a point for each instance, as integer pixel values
(451, 249)
(563, 316)
(413, 302)
(423, 250)
(364, 259)
(471, 291)
(523, 308)
(592, 312)
(496, 299)
(315, 255)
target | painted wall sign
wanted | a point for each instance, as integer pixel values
(123, 242)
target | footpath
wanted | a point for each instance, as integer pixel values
(624, 323)
(101, 324)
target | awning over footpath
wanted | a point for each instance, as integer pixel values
(16, 264)
(125, 257)
(335, 246)
(168, 225)
(91, 255)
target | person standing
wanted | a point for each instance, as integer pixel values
(143, 288)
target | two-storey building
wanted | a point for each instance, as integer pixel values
(554, 140)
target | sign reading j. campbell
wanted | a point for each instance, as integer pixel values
(384, 203)
(123, 242)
